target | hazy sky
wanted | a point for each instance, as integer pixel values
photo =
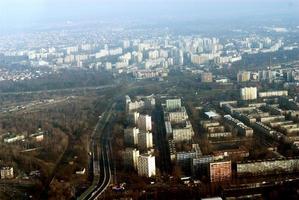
(27, 12)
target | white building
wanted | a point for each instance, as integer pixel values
(135, 105)
(137, 57)
(131, 136)
(7, 172)
(183, 133)
(173, 104)
(153, 54)
(38, 137)
(146, 165)
(248, 93)
(145, 140)
(131, 157)
(243, 76)
(144, 122)
(116, 51)
(273, 93)
(108, 65)
(199, 59)
(15, 138)
(178, 116)
(126, 44)
(135, 117)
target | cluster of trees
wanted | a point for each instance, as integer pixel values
(64, 149)
(63, 79)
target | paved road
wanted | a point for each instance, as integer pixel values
(101, 158)
(60, 90)
(105, 174)
(101, 151)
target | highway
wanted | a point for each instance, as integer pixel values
(100, 158)
(74, 89)
(101, 151)
(105, 174)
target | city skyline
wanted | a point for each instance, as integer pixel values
(17, 14)
(149, 99)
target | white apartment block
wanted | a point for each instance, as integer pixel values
(145, 140)
(131, 157)
(248, 93)
(135, 105)
(7, 173)
(178, 116)
(173, 104)
(182, 134)
(146, 165)
(135, 117)
(131, 136)
(144, 122)
(273, 93)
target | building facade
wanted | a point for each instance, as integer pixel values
(145, 140)
(144, 122)
(131, 157)
(146, 165)
(248, 93)
(7, 173)
(220, 171)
